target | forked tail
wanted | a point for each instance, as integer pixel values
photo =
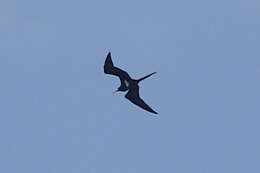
(139, 80)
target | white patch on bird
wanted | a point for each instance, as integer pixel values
(126, 83)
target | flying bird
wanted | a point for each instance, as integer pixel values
(127, 84)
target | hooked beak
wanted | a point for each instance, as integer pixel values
(115, 91)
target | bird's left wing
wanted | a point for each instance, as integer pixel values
(133, 96)
(109, 68)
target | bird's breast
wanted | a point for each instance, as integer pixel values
(126, 83)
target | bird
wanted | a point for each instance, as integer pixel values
(127, 84)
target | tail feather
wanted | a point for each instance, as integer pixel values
(139, 80)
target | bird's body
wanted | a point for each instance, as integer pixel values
(127, 84)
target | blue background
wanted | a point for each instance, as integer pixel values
(58, 113)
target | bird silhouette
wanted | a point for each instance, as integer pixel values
(127, 84)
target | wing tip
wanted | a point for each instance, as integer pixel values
(108, 63)
(154, 112)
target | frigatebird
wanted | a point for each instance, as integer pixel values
(127, 83)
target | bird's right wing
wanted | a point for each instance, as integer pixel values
(109, 68)
(133, 96)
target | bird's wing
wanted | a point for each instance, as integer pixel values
(109, 68)
(133, 96)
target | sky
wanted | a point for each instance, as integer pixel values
(58, 113)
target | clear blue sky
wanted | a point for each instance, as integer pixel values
(58, 113)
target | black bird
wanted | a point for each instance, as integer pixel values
(127, 83)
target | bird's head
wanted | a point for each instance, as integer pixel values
(122, 88)
(116, 90)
